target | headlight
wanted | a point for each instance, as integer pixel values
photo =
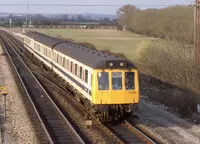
(111, 64)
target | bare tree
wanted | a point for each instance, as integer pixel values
(126, 14)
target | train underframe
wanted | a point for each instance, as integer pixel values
(102, 112)
(106, 113)
(109, 112)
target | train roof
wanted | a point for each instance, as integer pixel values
(93, 58)
(44, 39)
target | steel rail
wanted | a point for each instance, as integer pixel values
(139, 132)
(44, 125)
(133, 135)
(128, 133)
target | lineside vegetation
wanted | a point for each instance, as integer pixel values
(173, 23)
(171, 60)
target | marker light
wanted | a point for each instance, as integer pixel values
(111, 64)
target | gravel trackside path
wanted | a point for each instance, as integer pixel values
(18, 126)
(168, 128)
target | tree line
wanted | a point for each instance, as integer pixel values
(169, 57)
(39, 19)
(174, 23)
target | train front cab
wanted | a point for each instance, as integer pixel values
(113, 87)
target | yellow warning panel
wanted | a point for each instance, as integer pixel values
(4, 90)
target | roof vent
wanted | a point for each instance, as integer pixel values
(93, 52)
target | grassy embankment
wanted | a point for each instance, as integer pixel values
(116, 41)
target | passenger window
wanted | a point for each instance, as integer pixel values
(81, 72)
(38, 47)
(57, 57)
(67, 64)
(83, 78)
(63, 62)
(103, 80)
(86, 76)
(60, 60)
(71, 66)
(117, 81)
(76, 69)
(129, 81)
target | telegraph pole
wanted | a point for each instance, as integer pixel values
(10, 21)
(196, 29)
(27, 15)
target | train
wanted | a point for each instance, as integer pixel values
(107, 84)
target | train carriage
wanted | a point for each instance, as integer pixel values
(107, 83)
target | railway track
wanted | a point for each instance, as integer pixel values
(57, 128)
(123, 133)
(127, 133)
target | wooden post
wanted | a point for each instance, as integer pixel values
(196, 29)
(5, 106)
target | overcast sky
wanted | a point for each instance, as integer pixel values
(101, 10)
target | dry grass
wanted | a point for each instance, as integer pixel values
(113, 40)
(173, 64)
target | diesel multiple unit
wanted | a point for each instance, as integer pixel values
(108, 84)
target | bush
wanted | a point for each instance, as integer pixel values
(173, 64)
(114, 54)
(174, 23)
(88, 45)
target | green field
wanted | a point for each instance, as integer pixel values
(116, 41)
